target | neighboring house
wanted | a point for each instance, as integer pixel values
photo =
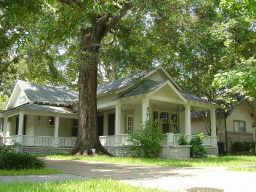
(43, 118)
(240, 123)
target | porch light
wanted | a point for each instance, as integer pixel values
(51, 121)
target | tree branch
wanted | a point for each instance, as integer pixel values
(114, 20)
(71, 3)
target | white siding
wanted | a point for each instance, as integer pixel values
(42, 127)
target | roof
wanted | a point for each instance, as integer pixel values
(44, 108)
(48, 94)
(191, 97)
(144, 87)
(121, 84)
(134, 84)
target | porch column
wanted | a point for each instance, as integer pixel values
(20, 128)
(213, 125)
(118, 119)
(56, 130)
(6, 128)
(145, 110)
(188, 122)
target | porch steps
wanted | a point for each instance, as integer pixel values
(45, 150)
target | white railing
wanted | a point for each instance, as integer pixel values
(66, 141)
(11, 140)
(171, 139)
(209, 140)
(114, 140)
(27, 140)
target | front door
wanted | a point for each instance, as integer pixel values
(100, 121)
(111, 124)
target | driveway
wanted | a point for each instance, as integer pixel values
(166, 178)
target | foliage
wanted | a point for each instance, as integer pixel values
(211, 161)
(11, 160)
(89, 185)
(238, 147)
(182, 140)
(6, 148)
(145, 142)
(197, 148)
(28, 172)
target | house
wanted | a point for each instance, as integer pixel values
(44, 119)
(240, 121)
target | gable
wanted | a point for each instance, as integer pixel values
(18, 97)
(167, 93)
(158, 76)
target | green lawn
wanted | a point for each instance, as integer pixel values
(28, 172)
(249, 169)
(91, 185)
(225, 161)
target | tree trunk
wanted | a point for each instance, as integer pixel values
(89, 58)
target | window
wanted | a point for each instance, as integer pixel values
(130, 124)
(239, 126)
(164, 118)
(155, 116)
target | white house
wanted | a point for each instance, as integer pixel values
(44, 119)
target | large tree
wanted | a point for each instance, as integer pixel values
(76, 36)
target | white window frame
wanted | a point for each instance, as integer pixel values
(127, 123)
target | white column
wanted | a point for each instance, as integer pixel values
(6, 129)
(145, 110)
(188, 122)
(21, 123)
(56, 127)
(213, 125)
(118, 114)
(20, 128)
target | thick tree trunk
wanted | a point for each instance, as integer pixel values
(88, 134)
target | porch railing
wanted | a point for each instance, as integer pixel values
(114, 140)
(171, 139)
(40, 141)
(209, 140)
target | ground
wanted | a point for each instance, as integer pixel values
(166, 178)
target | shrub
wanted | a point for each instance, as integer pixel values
(197, 148)
(182, 140)
(238, 147)
(6, 148)
(146, 142)
(11, 160)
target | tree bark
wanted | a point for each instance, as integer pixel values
(87, 84)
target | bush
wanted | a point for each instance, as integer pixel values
(238, 147)
(197, 148)
(146, 142)
(11, 160)
(182, 140)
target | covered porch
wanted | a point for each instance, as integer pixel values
(39, 128)
(171, 109)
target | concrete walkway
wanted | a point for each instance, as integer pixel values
(39, 178)
(167, 178)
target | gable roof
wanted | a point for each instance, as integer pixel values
(130, 81)
(46, 94)
(144, 87)
(135, 84)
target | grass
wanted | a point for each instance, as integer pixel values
(92, 185)
(213, 161)
(28, 172)
(248, 169)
